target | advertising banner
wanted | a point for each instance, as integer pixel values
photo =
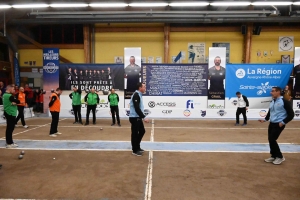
(255, 81)
(17, 71)
(27, 114)
(216, 75)
(50, 71)
(175, 80)
(296, 74)
(132, 70)
(102, 77)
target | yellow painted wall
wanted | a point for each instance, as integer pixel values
(26, 55)
(268, 41)
(179, 42)
(74, 55)
(109, 45)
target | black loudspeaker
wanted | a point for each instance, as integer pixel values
(257, 30)
(244, 29)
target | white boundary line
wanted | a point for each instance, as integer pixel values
(174, 151)
(174, 127)
(118, 141)
(148, 191)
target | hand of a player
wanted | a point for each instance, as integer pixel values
(261, 120)
(246, 108)
(146, 120)
(13, 103)
(281, 124)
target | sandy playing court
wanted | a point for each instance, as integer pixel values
(185, 159)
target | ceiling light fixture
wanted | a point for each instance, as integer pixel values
(107, 5)
(188, 4)
(148, 4)
(273, 3)
(69, 5)
(4, 6)
(230, 3)
(296, 3)
(31, 6)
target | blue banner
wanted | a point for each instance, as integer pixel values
(256, 80)
(175, 79)
(17, 71)
(50, 71)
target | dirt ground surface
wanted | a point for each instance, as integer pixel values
(72, 175)
(115, 175)
(224, 176)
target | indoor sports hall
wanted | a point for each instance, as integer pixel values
(150, 100)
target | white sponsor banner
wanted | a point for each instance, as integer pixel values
(178, 102)
(215, 104)
(27, 114)
(257, 103)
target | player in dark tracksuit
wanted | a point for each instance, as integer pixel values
(242, 107)
(92, 99)
(113, 99)
(76, 104)
(10, 112)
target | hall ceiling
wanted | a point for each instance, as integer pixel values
(167, 14)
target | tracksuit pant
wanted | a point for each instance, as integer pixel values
(238, 112)
(88, 110)
(10, 126)
(20, 115)
(274, 132)
(77, 112)
(137, 132)
(115, 112)
(54, 123)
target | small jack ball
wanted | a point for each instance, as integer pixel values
(22, 152)
(20, 156)
(53, 158)
(101, 128)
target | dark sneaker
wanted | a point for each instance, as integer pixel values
(142, 150)
(137, 153)
(119, 124)
(94, 123)
(112, 124)
(75, 122)
(237, 124)
(244, 125)
(80, 123)
(86, 124)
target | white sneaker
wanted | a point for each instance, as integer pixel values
(57, 133)
(269, 160)
(25, 126)
(52, 135)
(15, 144)
(10, 146)
(278, 161)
